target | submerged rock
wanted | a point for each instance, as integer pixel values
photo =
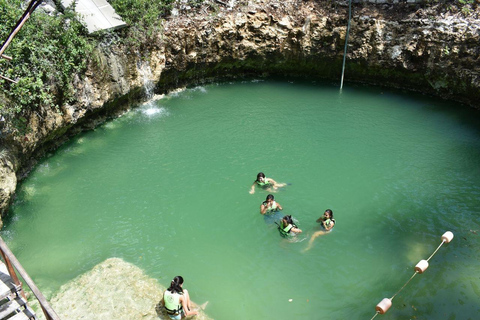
(113, 289)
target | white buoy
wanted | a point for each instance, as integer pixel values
(383, 306)
(421, 266)
(447, 236)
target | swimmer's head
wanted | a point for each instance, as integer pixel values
(287, 220)
(270, 197)
(260, 176)
(328, 213)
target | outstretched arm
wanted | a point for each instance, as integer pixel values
(296, 230)
(275, 184)
(252, 189)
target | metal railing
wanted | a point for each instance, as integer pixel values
(12, 263)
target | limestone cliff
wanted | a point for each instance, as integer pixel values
(393, 44)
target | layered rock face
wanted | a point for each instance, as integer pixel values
(395, 45)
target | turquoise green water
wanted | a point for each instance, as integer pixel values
(165, 187)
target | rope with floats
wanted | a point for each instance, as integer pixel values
(421, 266)
(346, 41)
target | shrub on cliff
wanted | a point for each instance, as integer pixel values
(144, 19)
(47, 53)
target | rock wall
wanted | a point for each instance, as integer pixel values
(399, 45)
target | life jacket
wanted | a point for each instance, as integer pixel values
(172, 302)
(328, 221)
(285, 232)
(272, 208)
(265, 183)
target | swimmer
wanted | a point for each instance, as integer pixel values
(327, 222)
(270, 205)
(265, 183)
(176, 300)
(287, 227)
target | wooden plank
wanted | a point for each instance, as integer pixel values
(11, 306)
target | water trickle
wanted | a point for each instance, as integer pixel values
(146, 72)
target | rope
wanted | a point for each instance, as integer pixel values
(443, 241)
(416, 272)
(346, 41)
(404, 285)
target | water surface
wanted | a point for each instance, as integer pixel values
(166, 187)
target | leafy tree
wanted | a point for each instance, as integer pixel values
(47, 53)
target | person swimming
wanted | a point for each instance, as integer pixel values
(265, 183)
(328, 222)
(270, 205)
(287, 227)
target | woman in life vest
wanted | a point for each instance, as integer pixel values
(270, 205)
(287, 227)
(177, 301)
(265, 183)
(327, 223)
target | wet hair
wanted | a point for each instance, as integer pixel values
(175, 285)
(270, 197)
(260, 175)
(288, 219)
(330, 212)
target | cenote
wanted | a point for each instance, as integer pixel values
(165, 187)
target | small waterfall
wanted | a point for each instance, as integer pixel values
(146, 73)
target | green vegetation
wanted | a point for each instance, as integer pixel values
(47, 53)
(144, 18)
(466, 6)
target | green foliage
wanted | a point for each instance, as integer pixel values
(446, 50)
(47, 53)
(195, 3)
(144, 18)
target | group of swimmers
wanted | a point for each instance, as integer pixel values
(176, 300)
(287, 227)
